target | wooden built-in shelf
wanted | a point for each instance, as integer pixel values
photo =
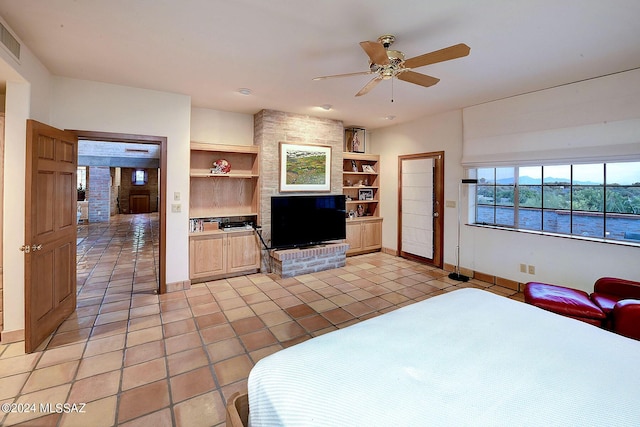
(364, 233)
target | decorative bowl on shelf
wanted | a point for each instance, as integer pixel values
(221, 166)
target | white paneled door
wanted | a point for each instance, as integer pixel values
(419, 213)
(417, 207)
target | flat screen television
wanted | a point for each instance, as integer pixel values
(298, 221)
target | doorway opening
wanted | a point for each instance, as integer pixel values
(161, 142)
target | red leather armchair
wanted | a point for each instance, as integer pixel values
(614, 303)
(619, 299)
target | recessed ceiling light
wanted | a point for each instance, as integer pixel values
(244, 91)
(326, 107)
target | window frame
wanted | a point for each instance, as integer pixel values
(599, 206)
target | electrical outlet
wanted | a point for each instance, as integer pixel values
(532, 269)
(176, 208)
(523, 268)
(450, 203)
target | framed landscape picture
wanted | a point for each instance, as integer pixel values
(305, 167)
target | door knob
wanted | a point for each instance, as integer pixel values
(36, 248)
(25, 248)
(436, 214)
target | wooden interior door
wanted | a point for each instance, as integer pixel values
(50, 230)
(420, 207)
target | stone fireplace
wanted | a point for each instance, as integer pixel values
(272, 127)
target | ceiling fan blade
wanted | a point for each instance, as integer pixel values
(417, 78)
(372, 83)
(361, 73)
(451, 52)
(376, 52)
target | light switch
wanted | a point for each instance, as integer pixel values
(176, 208)
(176, 196)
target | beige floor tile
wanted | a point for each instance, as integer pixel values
(144, 373)
(232, 370)
(187, 360)
(105, 345)
(143, 400)
(51, 395)
(51, 376)
(99, 413)
(143, 353)
(95, 387)
(144, 311)
(61, 355)
(287, 331)
(182, 342)
(224, 349)
(144, 322)
(90, 366)
(204, 410)
(179, 327)
(238, 313)
(144, 335)
(264, 307)
(18, 364)
(275, 318)
(162, 418)
(11, 386)
(191, 384)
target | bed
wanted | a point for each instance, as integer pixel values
(464, 358)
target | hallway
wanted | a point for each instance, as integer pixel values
(137, 359)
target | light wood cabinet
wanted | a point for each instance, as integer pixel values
(361, 185)
(219, 198)
(220, 254)
(364, 235)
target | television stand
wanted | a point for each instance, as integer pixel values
(298, 261)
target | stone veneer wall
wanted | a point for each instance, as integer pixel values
(272, 127)
(99, 193)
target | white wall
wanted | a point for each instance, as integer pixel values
(585, 121)
(591, 120)
(28, 95)
(442, 132)
(578, 119)
(86, 105)
(221, 127)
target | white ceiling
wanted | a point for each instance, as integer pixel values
(208, 49)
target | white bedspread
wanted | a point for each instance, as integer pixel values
(466, 358)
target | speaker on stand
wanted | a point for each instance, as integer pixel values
(456, 274)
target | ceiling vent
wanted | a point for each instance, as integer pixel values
(10, 42)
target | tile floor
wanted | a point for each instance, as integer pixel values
(129, 357)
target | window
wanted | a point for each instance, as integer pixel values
(82, 177)
(591, 200)
(139, 177)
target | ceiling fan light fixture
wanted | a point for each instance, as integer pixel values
(326, 107)
(244, 91)
(390, 117)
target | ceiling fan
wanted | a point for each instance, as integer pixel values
(387, 63)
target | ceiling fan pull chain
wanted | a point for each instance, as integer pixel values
(392, 79)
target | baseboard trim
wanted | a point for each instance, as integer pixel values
(489, 278)
(183, 285)
(11, 336)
